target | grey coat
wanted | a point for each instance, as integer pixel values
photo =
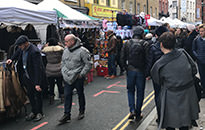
(53, 56)
(178, 99)
(76, 61)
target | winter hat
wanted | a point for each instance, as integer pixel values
(148, 36)
(159, 31)
(139, 30)
(190, 27)
(20, 40)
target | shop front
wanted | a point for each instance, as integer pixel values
(102, 12)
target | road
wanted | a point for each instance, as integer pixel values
(106, 109)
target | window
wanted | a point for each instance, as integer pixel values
(138, 8)
(190, 5)
(96, 1)
(130, 7)
(155, 12)
(174, 15)
(160, 6)
(145, 9)
(187, 5)
(174, 3)
(123, 4)
(151, 11)
(163, 6)
(108, 2)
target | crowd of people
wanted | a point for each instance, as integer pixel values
(166, 56)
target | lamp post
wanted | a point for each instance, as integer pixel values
(147, 7)
(202, 10)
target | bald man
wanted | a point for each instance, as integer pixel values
(76, 63)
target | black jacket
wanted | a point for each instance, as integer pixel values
(188, 43)
(153, 55)
(35, 68)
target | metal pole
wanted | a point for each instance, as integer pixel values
(177, 11)
(202, 10)
(79, 3)
(147, 7)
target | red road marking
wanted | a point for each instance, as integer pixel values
(110, 86)
(105, 91)
(37, 127)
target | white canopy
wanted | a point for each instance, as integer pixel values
(174, 23)
(154, 22)
(23, 12)
(63, 10)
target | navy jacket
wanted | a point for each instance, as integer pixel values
(35, 68)
(198, 48)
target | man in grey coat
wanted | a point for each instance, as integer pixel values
(174, 72)
(76, 63)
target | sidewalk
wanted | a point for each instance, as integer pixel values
(150, 122)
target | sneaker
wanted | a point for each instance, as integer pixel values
(132, 116)
(30, 117)
(106, 76)
(65, 118)
(139, 117)
(38, 117)
(81, 115)
(112, 77)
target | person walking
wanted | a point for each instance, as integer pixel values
(133, 60)
(198, 47)
(76, 63)
(175, 72)
(111, 50)
(119, 48)
(31, 74)
(54, 53)
(154, 54)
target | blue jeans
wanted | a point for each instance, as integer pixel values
(68, 92)
(111, 64)
(135, 79)
(202, 74)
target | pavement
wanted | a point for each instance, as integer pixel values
(150, 122)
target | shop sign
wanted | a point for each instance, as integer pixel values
(102, 11)
(147, 16)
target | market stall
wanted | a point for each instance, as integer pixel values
(16, 15)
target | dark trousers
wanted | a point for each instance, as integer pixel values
(34, 96)
(181, 128)
(111, 64)
(135, 80)
(68, 90)
(157, 89)
(59, 82)
(202, 74)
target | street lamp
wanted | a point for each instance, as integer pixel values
(202, 10)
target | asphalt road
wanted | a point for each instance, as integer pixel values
(106, 109)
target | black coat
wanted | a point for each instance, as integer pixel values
(35, 68)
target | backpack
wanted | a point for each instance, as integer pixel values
(136, 55)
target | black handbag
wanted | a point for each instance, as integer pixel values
(198, 87)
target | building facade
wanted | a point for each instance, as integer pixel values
(198, 12)
(137, 6)
(174, 9)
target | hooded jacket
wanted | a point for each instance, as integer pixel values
(76, 61)
(53, 56)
